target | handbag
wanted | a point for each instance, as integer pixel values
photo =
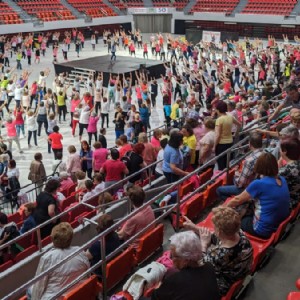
(4, 178)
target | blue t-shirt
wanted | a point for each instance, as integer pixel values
(171, 156)
(271, 204)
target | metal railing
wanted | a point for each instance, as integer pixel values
(169, 209)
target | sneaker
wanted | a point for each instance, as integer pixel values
(21, 151)
(29, 146)
(165, 201)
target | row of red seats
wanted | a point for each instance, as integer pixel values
(295, 295)
(119, 267)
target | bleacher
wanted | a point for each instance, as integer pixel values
(46, 10)
(270, 7)
(93, 8)
(8, 15)
(215, 6)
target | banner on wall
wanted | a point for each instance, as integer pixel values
(149, 10)
(211, 36)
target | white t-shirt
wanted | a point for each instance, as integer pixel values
(158, 167)
(18, 93)
(105, 107)
(31, 123)
(84, 117)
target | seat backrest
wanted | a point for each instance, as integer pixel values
(16, 217)
(6, 265)
(119, 267)
(210, 194)
(149, 243)
(27, 252)
(233, 290)
(186, 188)
(88, 290)
(205, 176)
(71, 189)
(194, 206)
(67, 202)
(281, 229)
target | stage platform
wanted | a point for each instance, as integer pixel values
(122, 65)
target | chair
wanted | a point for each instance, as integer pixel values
(229, 181)
(46, 241)
(6, 266)
(16, 217)
(205, 176)
(67, 202)
(71, 189)
(210, 194)
(149, 243)
(207, 222)
(27, 252)
(295, 295)
(119, 267)
(282, 230)
(186, 188)
(88, 290)
(194, 206)
(234, 289)
(262, 250)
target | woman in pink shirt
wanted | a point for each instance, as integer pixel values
(99, 156)
(73, 162)
(10, 125)
(155, 140)
(75, 101)
(18, 113)
(92, 127)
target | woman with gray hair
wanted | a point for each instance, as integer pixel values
(193, 280)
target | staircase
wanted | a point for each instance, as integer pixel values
(19, 10)
(296, 9)
(189, 6)
(114, 8)
(73, 10)
(78, 72)
(240, 7)
(148, 3)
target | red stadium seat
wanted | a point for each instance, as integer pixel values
(233, 290)
(205, 176)
(88, 290)
(27, 252)
(6, 266)
(210, 195)
(186, 188)
(118, 268)
(149, 243)
(194, 206)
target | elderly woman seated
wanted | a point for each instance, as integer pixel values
(65, 181)
(194, 280)
(227, 249)
(54, 281)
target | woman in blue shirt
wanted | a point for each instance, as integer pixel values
(29, 223)
(173, 160)
(271, 199)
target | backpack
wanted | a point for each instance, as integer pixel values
(126, 159)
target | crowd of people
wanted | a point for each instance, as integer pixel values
(212, 96)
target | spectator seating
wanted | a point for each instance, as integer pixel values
(89, 290)
(8, 15)
(134, 3)
(149, 243)
(179, 4)
(215, 6)
(27, 252)
(93, 8)
(268, 7)
(46, 10)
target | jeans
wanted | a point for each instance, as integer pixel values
(19, 128)
(30, 133)
(226, 191)
(90, 134)
(171, 177)
(119, 133)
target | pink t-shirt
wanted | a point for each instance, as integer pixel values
(11, 129)
(19, 117)
(155, 142)
(99, 157)
(92, 127)
(137, 223)
(74, 104)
